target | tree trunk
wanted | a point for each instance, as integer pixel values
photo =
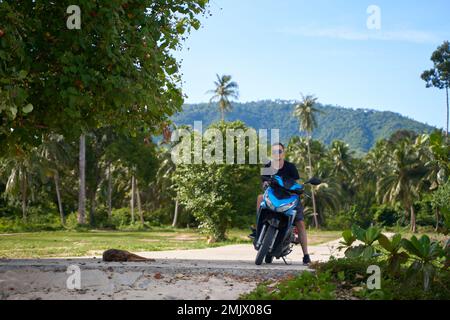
(413, 219)
(446, 132)
(138, 198)
(437, 220)
(24, 197)
(175, 216)
(92, 207)
(109, 192)
(132, 198)
(316, 221)
(82, 184)
(58, 196)
(30, 182)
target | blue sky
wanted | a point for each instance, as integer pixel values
(276, 49)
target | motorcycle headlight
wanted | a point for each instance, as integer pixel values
(287, 207)
(269, 203)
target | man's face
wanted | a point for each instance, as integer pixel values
(277, 153)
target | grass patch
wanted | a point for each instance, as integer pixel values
(81, 243)
(345, 279)
(46, 244)
(316, 237)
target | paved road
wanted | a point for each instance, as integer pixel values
(214, 273)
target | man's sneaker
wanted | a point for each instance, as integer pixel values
(306, 259)
(253, 234)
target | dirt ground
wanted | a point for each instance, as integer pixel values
(213, 273)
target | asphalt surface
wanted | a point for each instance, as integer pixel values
(213, 273)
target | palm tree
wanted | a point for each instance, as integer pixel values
(296, 150)
(341, 156)
(225, 90)
(82, 181)
(306, 112)
(434, 151)
(163, 185)
(54, 153)
(19, 170)
(403, 181)
(342, 162)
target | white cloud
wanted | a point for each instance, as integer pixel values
(344, 33)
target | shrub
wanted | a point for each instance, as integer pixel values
(385, 215)
(345, 219)
(159, 217)
(216, 192)
(36, 221)
(306, 286)
(339, 221)
(121, 217)
(135, 226)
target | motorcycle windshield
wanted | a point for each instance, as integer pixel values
(279, 202)
(288, 183)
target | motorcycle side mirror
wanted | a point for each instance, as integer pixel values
(314, 181)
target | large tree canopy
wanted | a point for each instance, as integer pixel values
(116, 70)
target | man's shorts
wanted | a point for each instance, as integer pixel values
(299, 216)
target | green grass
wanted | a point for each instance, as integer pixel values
(316, 237)
(429, 231)
(73, 243)
(87, 243)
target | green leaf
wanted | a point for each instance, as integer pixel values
(425, 245)
(385, 243)
(354, 252)
(368, 252)
(428, 272)
(359, 233)
(348, 237)
(13, 110)
(195, 23)
(396, 241)
(371, 235)
(28, 108)
(22, 74)
(409, 246)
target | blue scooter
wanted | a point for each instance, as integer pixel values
(275, 221)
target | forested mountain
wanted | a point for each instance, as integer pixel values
(360, 128)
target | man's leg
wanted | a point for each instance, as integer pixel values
(258, 202)
(300, 224)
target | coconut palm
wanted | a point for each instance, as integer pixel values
(341, 156)
(296, 151)
(403, 182)
(54, 153)
(82, 180)
(19, 170)
(306, 112)
(224, 90)
(434, 153)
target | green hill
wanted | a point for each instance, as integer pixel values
(360, 128)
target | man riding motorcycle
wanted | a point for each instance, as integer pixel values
(280, 167)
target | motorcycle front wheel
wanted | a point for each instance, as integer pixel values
(265, 246)
(268, 259)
